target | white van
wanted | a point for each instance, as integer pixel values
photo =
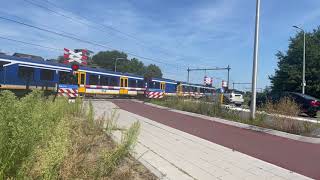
(234, 97)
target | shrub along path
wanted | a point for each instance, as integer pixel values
(300, 157)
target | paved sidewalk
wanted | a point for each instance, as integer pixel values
(173, 154)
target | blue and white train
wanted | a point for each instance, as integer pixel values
(25, 73)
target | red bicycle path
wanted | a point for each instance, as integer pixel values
(299, 157)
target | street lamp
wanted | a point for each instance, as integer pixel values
(255, 63)
(115, 65)
(304, 59)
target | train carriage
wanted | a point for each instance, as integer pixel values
(99, 81)
(24, 73)
(21, 73)
(194, 90)
(161, 87)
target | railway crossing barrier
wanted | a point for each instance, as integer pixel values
(69, 91)
(154, 94)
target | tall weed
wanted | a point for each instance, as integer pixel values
(28, 125)
(110, 159)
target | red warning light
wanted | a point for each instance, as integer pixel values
(75, 67)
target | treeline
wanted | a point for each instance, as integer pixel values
(288, 76)
(111, 59)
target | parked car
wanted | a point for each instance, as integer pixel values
(308, 104)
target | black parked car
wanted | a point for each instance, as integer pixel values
(308, 104)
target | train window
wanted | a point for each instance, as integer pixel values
(93, 79)
(104, 80)
(140, 84)
(157, 85)
(46, 75)
(185, 88)
(133, 83)
(151, 84)
(67, 78)
(26, 73)
(202, 90)
(114, 81)
(193, 89)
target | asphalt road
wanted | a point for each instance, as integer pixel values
(300, 157)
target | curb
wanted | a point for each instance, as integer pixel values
(241, 125)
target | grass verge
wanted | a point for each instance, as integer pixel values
(281, 123)
(45, 139)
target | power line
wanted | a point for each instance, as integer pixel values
(82, 40)
(23, 19)
(76, 20)
(28, 43)
(105, 26)
(55, 49)
(102, 25)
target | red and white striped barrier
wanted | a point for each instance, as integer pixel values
(155, 95)
(68, 92)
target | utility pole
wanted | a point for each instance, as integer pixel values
(115, 64)
(304, 59)
(228, 75)
(188, 74)
(228, 68)
(255, 63)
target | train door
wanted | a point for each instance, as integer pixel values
(163, 86)
(123, 85)
(179, 90)
(81, 76)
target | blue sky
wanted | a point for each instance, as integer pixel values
(181, 33)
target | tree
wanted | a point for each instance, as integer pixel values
(288, 76)
(153, 71)
(106, 59)
(136, 67)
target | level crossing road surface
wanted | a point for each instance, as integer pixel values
(296, 156)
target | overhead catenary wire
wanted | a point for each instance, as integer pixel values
(99, 24)
(32, 44)
(72, 19)
(56, 49)
(84, 41)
